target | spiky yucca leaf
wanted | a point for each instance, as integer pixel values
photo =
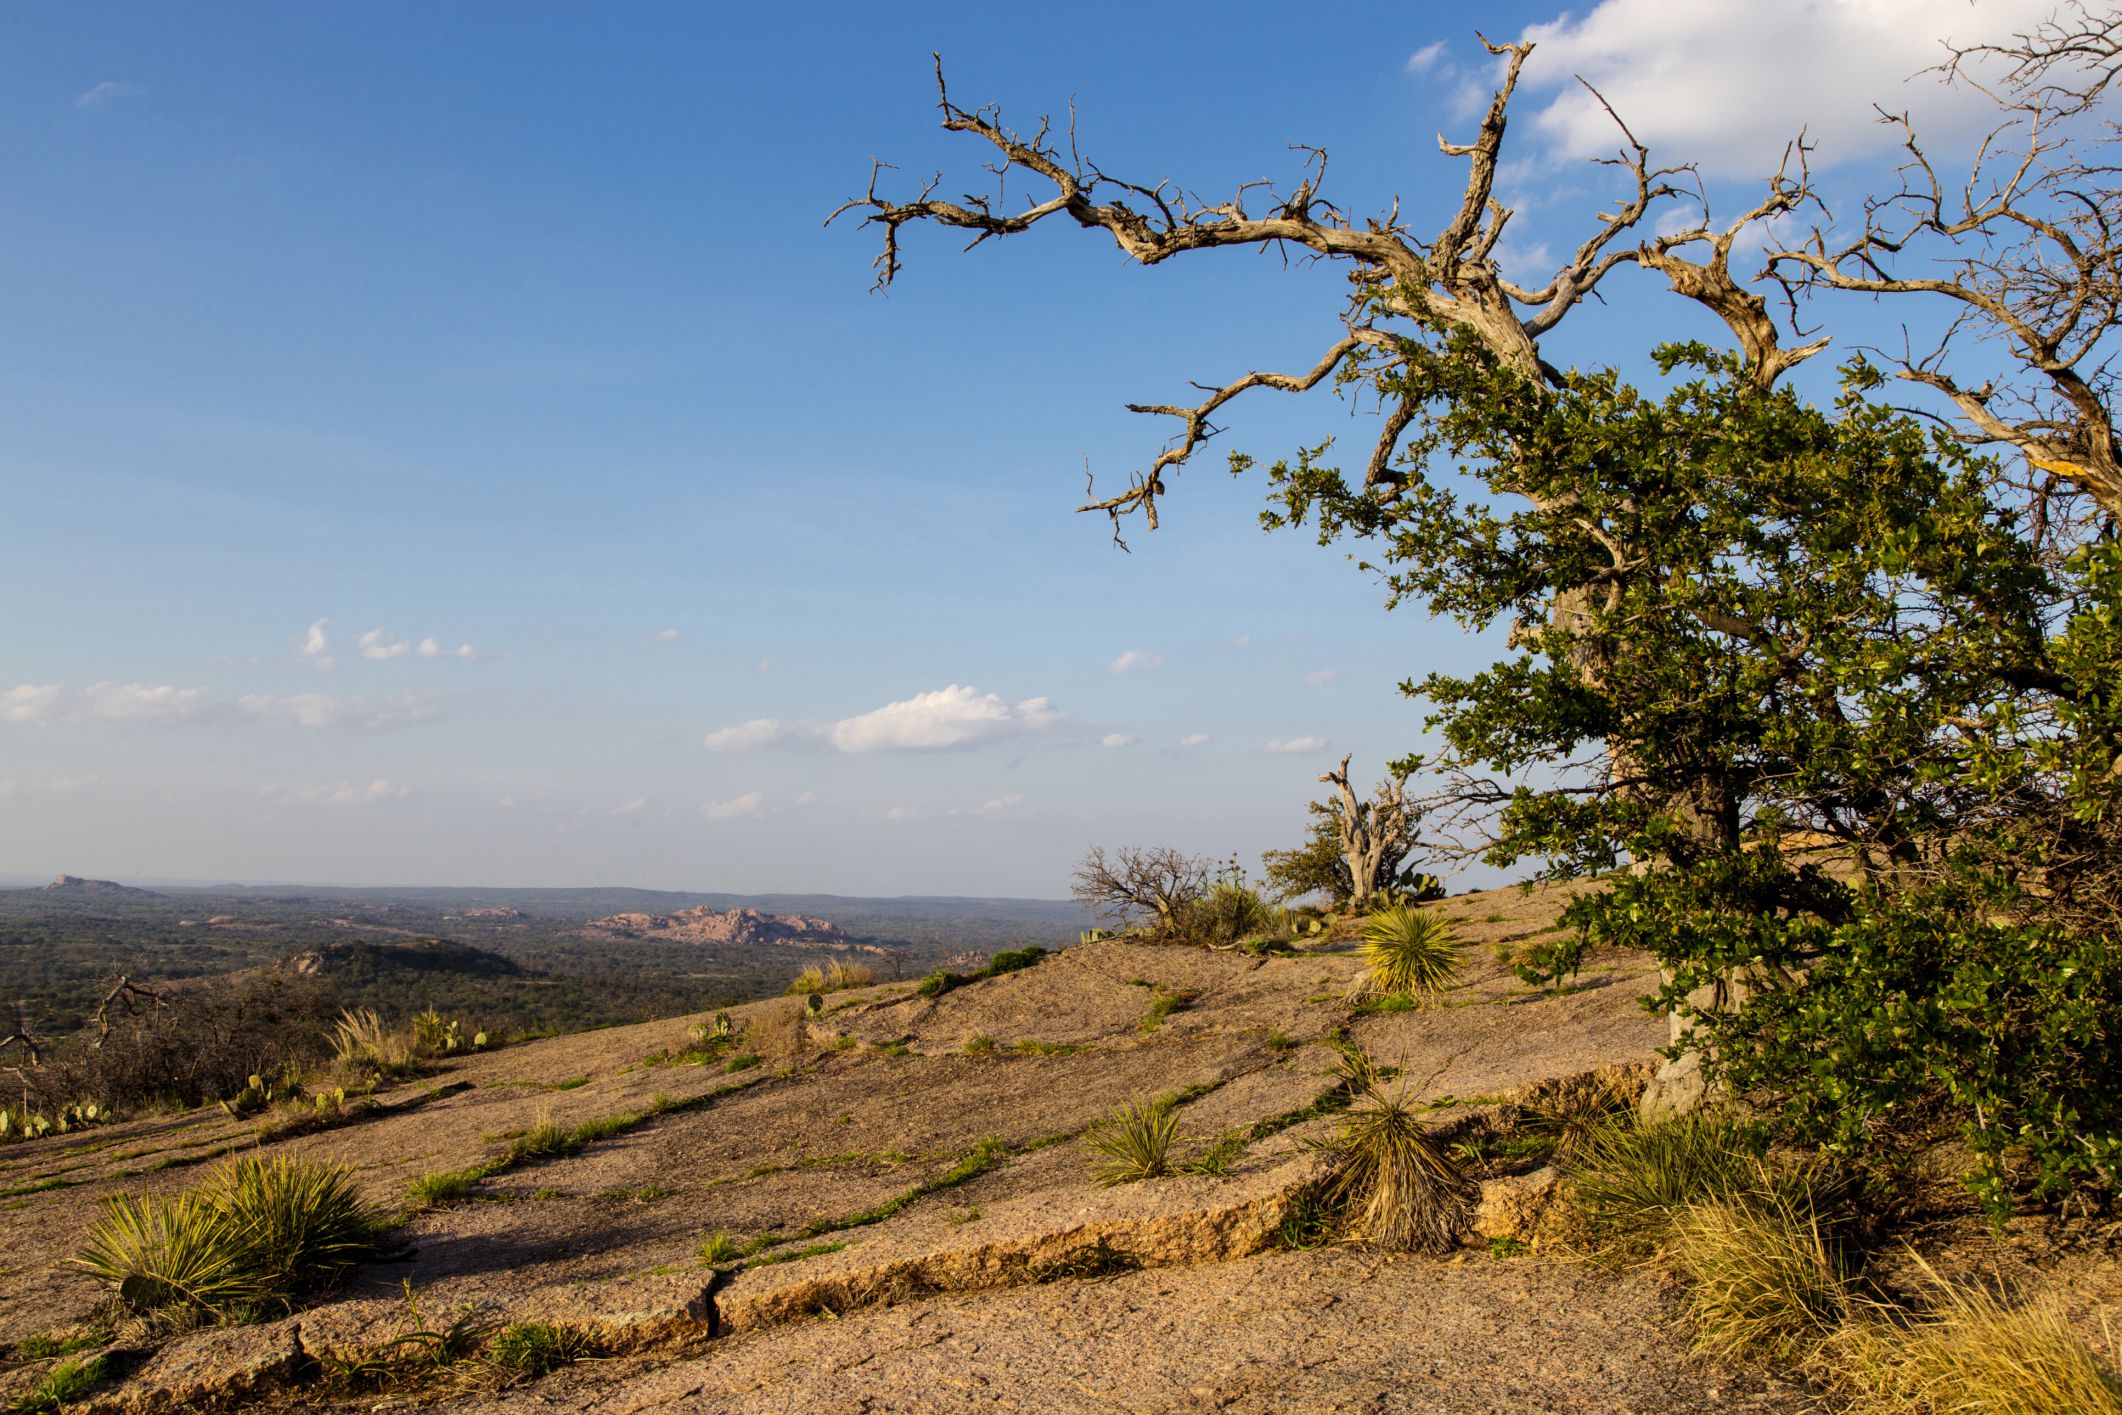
(1134, 1142)
(304, 1220)
(1393, 1186)
(157, 1253)
(1410, 952)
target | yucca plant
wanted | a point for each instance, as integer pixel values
(1393, 1187)
(305, 1221)
(1972, 1352)
(179, 1251)
(1410, 952)
(1133, 1142)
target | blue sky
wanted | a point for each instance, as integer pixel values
(424, 429)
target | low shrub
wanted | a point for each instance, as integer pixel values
(1134, 1142)
(186, 1050)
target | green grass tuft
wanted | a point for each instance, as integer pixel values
(1632, 1183)
(528, 1350)
(62, 1385)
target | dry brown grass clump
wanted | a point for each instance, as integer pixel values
(1764, 1279)
(1972, 1353)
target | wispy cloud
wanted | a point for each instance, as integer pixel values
(667, 636)
(31, 702)
(1135, 661)
(1194, 739)
(316, 648)
(1425, 58)
(750, 804)
(109, 91)
(345, 794)
(752, 736)
(1321, 677)
(1297, 744)
(629, 808)
(949, 719)
(321, 710)
(1117, 740)
(1001, 805)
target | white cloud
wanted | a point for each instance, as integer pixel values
(807, 798)
(1001, 805)
(1194, 739)
(1321, 678)
(377, 790)
(31, 702)
(165, 702)
(380, 644)
(1117, 739)
(1297, 744)
(1728, 82)
(322, 710)
(109, 91)
(138, 702)
(950, 718)
(904, 813)
(430, 649)
(105, 702)
(629, 808)
(1425, 58)
(1135, 661)
(666, 636)
(751, 736)
(316, 648)
(60, 785)
(751, 803)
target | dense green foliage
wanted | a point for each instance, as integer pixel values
(1805, 665)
